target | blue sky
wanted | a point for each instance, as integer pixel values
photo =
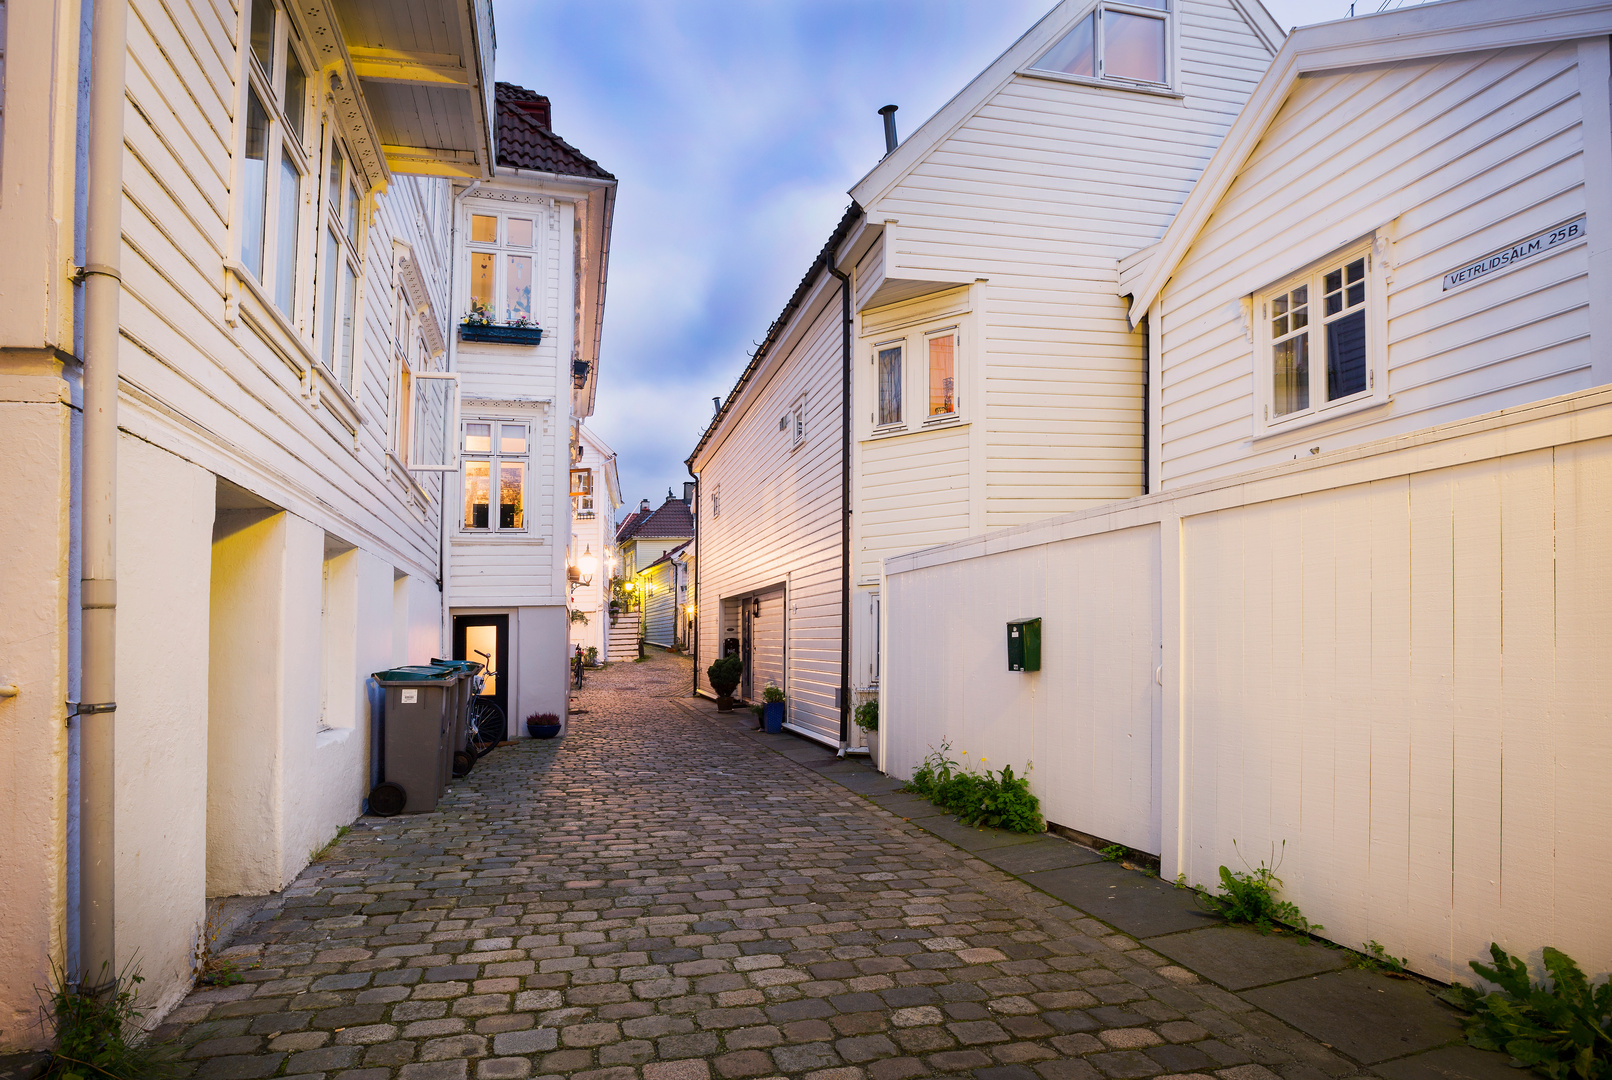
(735, 130)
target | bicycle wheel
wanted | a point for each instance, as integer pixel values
(488, 724)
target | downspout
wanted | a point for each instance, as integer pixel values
(445, 630)
(103, 246)
(694, 582)
(1147, 403)
(845, 501)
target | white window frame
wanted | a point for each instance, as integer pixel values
(1266, 422)
(501, 250)
(581, 501)
(495, 456)
(268, 87)
(340, 249)
(1167, 15)
(914, 344)
(797, 424)
(880, 424)
(414, 459)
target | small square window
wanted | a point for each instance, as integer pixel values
(1124, 40)
(483, 229)
(478, 438)
(1315, 342)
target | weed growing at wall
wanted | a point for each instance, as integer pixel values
(96, 1033)
(1561, 1028)
(1115, 852)
(1000, 800)
(1250, 897)
(1374, 957)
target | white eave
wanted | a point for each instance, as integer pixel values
(1431, 30)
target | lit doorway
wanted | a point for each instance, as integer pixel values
(485, 639)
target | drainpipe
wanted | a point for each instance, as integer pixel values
(694, 584)
(845, 502)
(103, 246)
(444, 556)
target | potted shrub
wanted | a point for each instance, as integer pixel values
(543, 725)
(772, 708)
(593, 656)
(724, 676)
(867, 718)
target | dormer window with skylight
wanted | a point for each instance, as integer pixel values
(1125, 43)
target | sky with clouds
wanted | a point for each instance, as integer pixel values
(735, 129)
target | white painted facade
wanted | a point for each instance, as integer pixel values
(593, 534)
(273, 547)
(995, 229)
(1364, 631)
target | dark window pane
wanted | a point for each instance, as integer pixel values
(263, 34)
(255, 177)
(1346, 355)
(296, 93)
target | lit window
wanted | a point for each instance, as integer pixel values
(936, 358)
(503, 267)
(274, 158)
(1127, 42)
(1314, 338)
(943, 374)
(582, 492)
(494, 476)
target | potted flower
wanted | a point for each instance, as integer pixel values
(478, 325)
(544, 725)
(724, 676)
(772, 708)
(867, 718)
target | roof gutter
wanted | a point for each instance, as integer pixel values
(103, 285)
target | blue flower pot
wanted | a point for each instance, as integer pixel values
(772, 715)
(501, 335)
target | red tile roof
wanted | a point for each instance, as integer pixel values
(671, 521)
(624, 530)
(525, 139)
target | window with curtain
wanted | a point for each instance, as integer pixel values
(275, 157)
(943, 374)
(1314, 331)
(1126, 42)
(889, 373)
(503, 259)
(495, 459)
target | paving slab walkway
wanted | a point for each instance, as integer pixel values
(664, 895)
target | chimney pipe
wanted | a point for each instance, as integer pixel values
(889, 114)
(688, 492)
(716, 405)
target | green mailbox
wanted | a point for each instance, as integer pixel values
(1024, 645)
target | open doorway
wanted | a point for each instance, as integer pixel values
(485, 639)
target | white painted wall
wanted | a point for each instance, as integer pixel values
(1384, 657)
(1429, 155)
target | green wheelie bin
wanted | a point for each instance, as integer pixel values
(418, 715)
(459, 757)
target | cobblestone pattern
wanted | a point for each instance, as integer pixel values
(653, 898)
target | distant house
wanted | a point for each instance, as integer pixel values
(595, 499)
(958, 357)
(645, 535)
(531, 271)
(664, 585)
(1361, 624)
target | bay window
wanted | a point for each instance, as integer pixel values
(275, 160)
(503, 261)
(1316, 340)
(933, 385)
(1127, 42)
(495, 457)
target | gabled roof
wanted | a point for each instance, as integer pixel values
(525, 140)
(1432, 30)
(1001, 71)
(672, 521)
(624, 530)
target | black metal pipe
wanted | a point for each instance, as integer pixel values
(845, 483)
(694, 585)
(1147, 407)
(889, 114)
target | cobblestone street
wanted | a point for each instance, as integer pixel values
(660, 896)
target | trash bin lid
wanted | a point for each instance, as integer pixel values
(470, 667)
(416, 673)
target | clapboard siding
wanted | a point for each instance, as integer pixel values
(1041, 191)
(780, 518)
(1453, 158)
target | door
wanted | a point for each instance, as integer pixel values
(747, 650)
(485, 639)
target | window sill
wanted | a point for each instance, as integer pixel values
(926, 426)
(329, 736)
(1103, 84)
(334, 397)
(1268, 432)
(489, 537)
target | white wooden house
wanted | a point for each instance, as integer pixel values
(1364, 615)
(220, 433)
(535, 249)
(976, 369)
(595, 499)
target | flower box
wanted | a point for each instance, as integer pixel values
(501, 335)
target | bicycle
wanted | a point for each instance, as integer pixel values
(577, 664)
(485, 723)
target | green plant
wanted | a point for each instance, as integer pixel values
(320, 852)
(220, 971)
(1561, 1028)
(772, 693)
(1250, 896)
(867, 716)
(999, 800)
(593, 655)
(725, 674)
(579, 617)
(1374, 957)
(1115, 852)
(96, 1029)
